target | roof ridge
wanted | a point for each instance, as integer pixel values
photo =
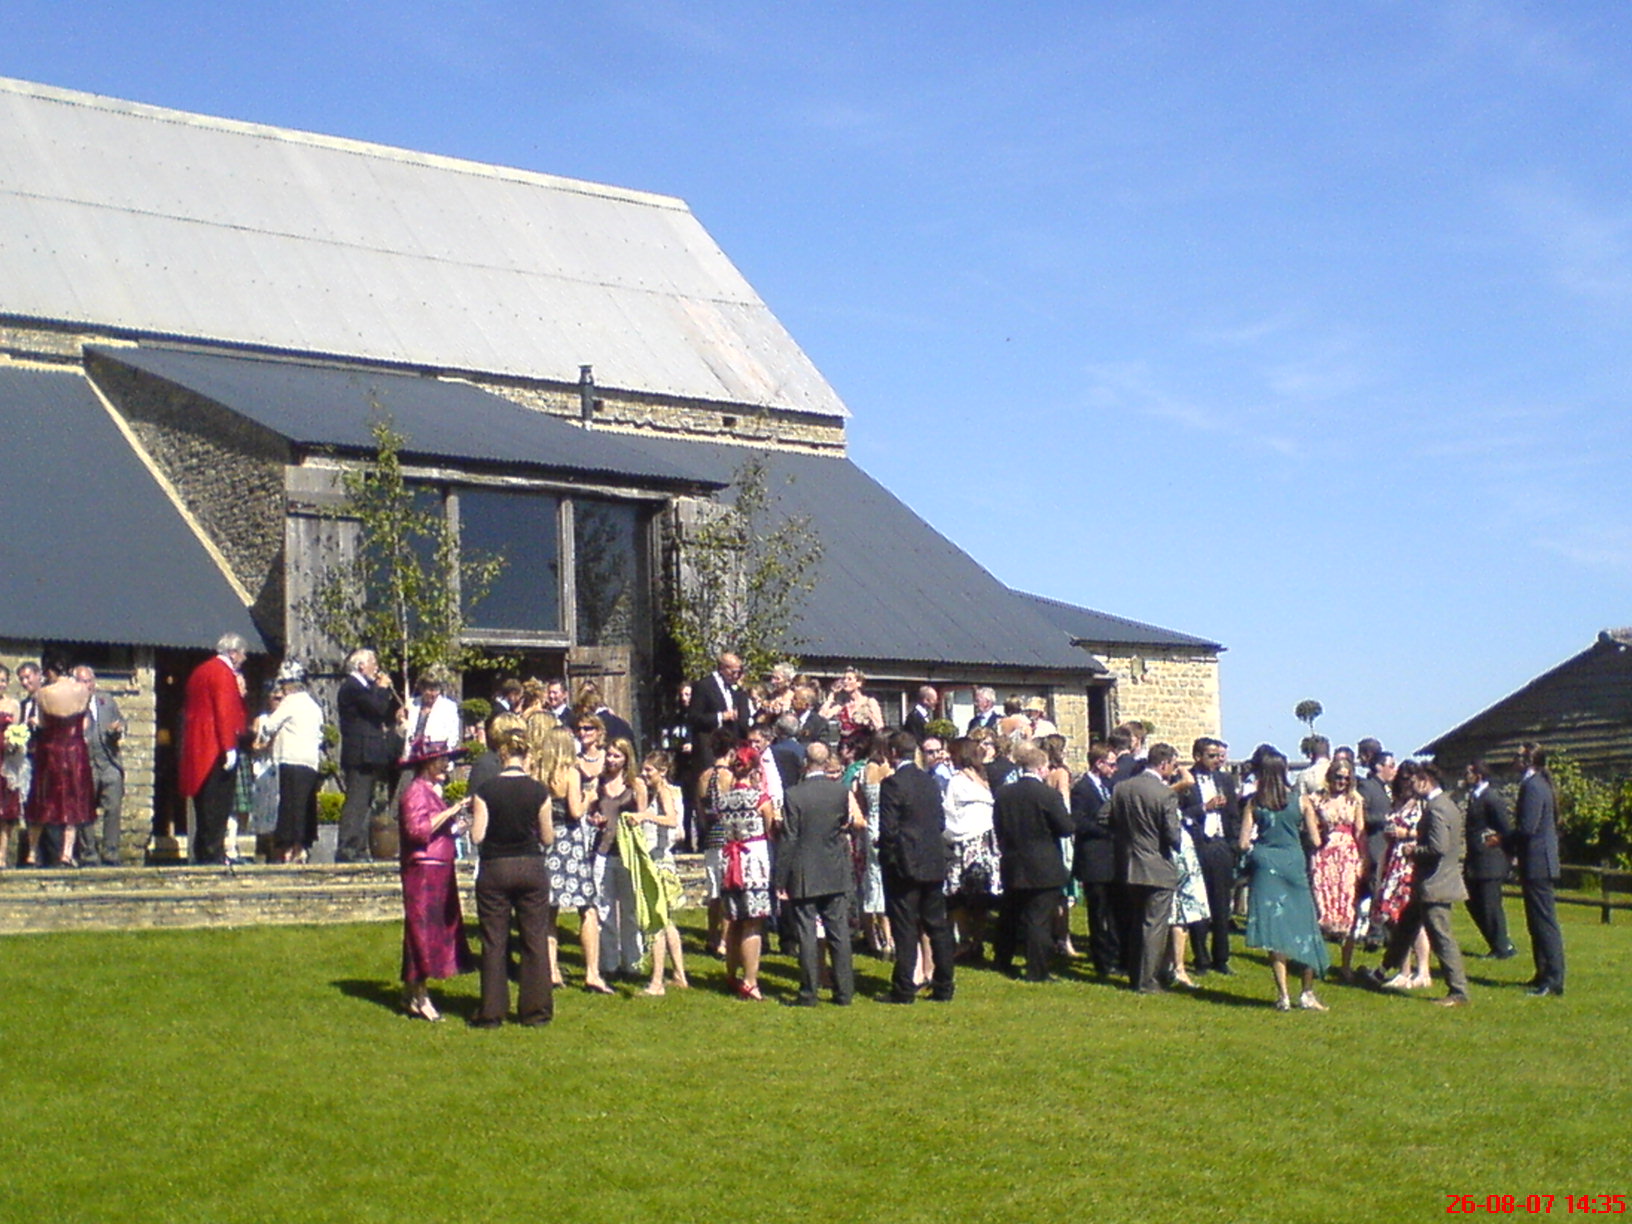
(341, 144)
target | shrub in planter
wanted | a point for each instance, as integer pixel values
(329, 803)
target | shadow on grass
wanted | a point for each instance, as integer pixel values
(388, 995)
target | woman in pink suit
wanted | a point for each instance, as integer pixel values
(433, 928)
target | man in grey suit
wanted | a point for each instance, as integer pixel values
(104, 731)
(1145, 828)
(1535, 842)
(814, 874)
(1439, 884)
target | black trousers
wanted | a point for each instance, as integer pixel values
(211, 807)
(351, 843)
(1546, 940)
(1485, 908)
(1151, 913)
(1028, 916)
(833, 909)
(521, 887)
(1212, 938)
(1104, 926)
(297, 806)
(914, 907)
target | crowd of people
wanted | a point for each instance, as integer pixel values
(821, 826)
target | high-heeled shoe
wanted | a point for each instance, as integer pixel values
(750, 992)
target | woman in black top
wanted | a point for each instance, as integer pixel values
(511, 825)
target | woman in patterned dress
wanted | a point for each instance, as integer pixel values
(552, 758)
(746, 817)
(1398, 877)
(1190, 905)
(972, 879)
(12, 756)
(1340, 863)
(872, 769)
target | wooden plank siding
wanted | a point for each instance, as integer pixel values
(1582, 707)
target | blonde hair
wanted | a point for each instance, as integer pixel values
(553, 759)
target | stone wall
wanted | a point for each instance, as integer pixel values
(632, 412)
(1175, 689)
(228, 471)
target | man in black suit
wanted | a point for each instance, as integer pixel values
(1535, 844)
(719, 701)
(787, 752)
(912, 856)
(1485, 868)
(814, 875)
(1127, 741)
(555, 699)
(367, 707)
(917, 720)
(1145, 825)
(1211, 814)
(1094, 859)
(1030, 818)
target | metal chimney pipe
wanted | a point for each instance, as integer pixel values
(586, 392)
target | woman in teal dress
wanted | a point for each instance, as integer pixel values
(1281, 907)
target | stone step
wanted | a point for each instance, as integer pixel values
(34, 900)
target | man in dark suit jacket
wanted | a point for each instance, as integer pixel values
(912, 857)
(1535, 845)
(1127, 741)
(986, 711)
(366, 707)
(1438, 884)
(1094, 859)
(1145, 825)
(719, 701)
(1485, 869)
(917, 720)
(1212, 816)
(814, 873)
(1030, 818)
(1374, 792)
(812, 726)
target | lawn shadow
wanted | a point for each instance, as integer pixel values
(386, 994)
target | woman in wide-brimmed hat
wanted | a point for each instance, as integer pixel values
(433, 933)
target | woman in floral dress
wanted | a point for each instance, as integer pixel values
(1398, 877)
(746, 816)
(552, 758)
(1340, 863)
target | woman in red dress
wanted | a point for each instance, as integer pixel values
(433, 929)
(62, 795)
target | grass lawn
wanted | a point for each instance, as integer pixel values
(263, 1075)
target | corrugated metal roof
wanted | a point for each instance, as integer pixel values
(91, 549)
(163, 223)
(318, 405)
(890, 587)
(1089, 627)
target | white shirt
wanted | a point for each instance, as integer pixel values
(442, 725)
(1212, 820)
(968, 808)
(295, 730)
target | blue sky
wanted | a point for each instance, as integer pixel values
(1300, 327)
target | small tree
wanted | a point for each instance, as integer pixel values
(404, 589)
(1307, 711)
(739, 578)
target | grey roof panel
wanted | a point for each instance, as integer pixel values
(163, 223)
(317, 405)
(890, 587)
(91, 549)
(1089, 626)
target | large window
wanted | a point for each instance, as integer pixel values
(607, 571)
(524, 527)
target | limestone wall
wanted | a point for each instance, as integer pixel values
(1175, 689)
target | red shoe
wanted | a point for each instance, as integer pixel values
(750, 992)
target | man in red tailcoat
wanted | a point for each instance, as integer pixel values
(212, 720)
